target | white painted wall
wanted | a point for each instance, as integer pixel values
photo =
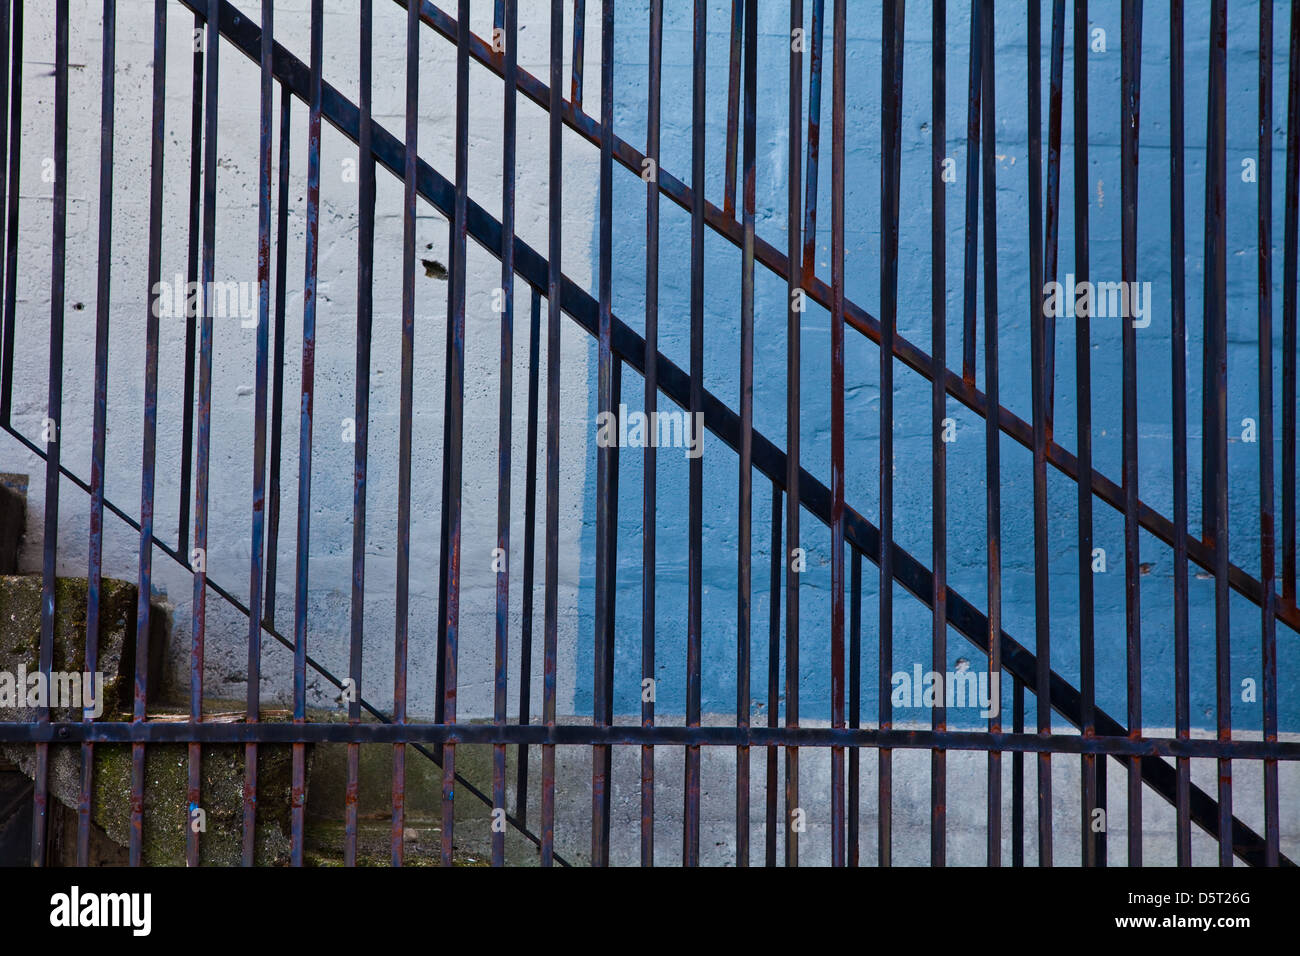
(328, 595)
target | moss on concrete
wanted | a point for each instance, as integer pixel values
(166, 779)
(20, 634)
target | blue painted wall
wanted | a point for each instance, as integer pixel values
(912, 426)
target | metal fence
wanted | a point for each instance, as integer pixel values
(535, 277)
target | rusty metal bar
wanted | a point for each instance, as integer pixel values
(579, 51)
(192, 270)
(1038, 392)
(253, 698)
(813, 143)
(1056, 86)
(891, 85)
(855, 704)
(361, 448)
(733, 107)
(650, 491)
(1289, 315)
(1214, 490)
(148, 457)
(13, 200)
(306, 421)
(277, 371)
(971, 278)
(53, 416)
(506, 19)
(695, 518)
(1018, 777)
(1267, 541)
(992, 457)
(530, 550)
(95, 562)
(1178, 387)
(1116, 745)
(745, 493)
(837, 427)
(402, 629)
(1131, 85)
(198, 556)
(454, 416)
(773, 680)
(793, 554)
(602, 644)
(1092, 792)
(7, 37)
(938, 413)
(553, 289)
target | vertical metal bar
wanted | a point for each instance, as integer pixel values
(1054, 110)
(1131, 82)
(745, 493)
(1217, 409)
(553, 277)
(1267, 541)
(198, 557)
(148, 457)
(745, 514)
(277, 368)
(510, 23)
(455, 424)
(650, 489)
(6, 37)
(1210, 478)
(1178, 355)
(361, 449)
(403, 595)
(1101, 805)
(530, 546)
(992, 434)
(938, 411)
(1092, 841)
(58, 271)
(837, 403)
(855, 703)
(579, 51)
(695, 522)
(1038, 388)
(305, 423)
(793, 559)
(1289, 314)
(971, 262)
(611, 576)
(191, 277)
(12, 197)
(600, 756)
(1018, 776)
(813, 144)
(892, 96)
(94, 574)
(773, 679)
(253, 701)
(733, 108)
